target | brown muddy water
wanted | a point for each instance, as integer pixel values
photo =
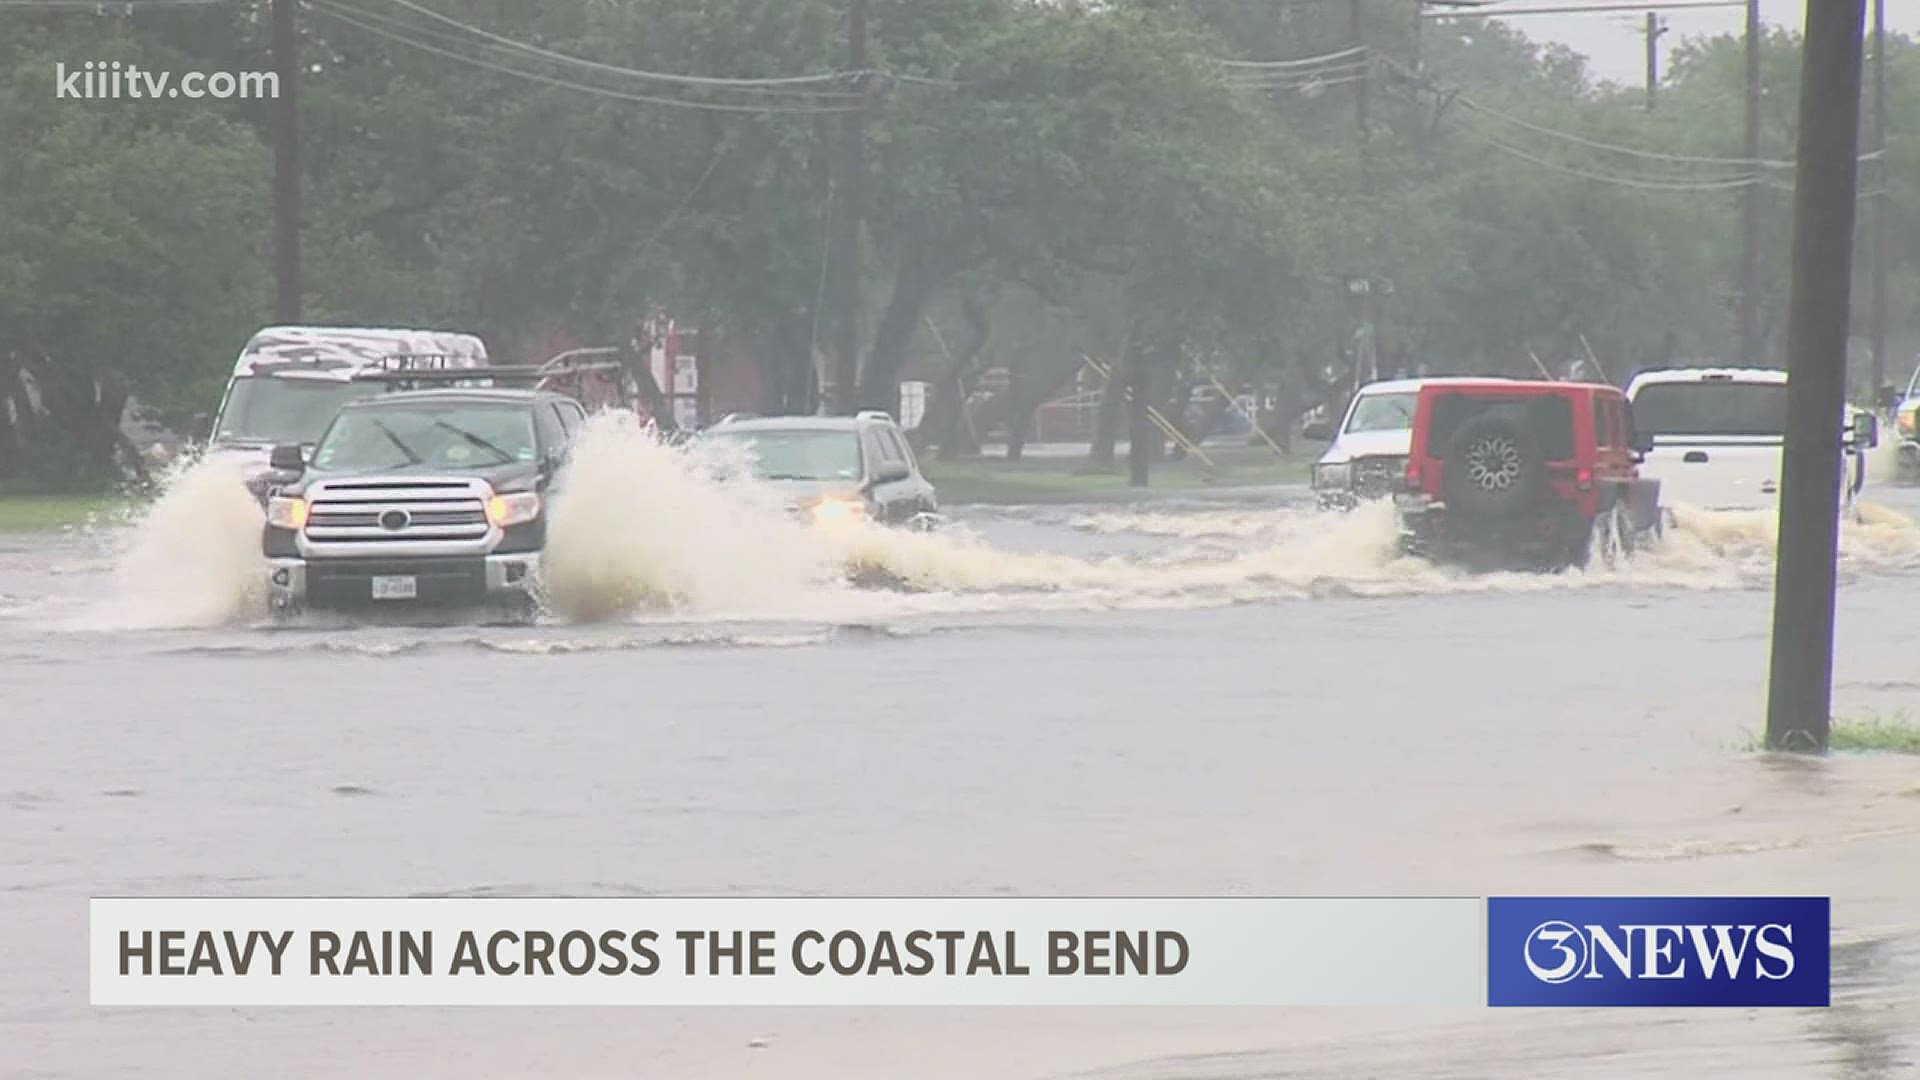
(1217, 696)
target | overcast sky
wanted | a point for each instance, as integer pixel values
(1615, 41)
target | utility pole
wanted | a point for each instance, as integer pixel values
(850, 205)
(1750, 346)
(1357, 31)
(1419, 34)
(1800, 689)
(286, 164)
(1654, 30)
(1878, 315)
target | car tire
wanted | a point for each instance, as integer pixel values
(1495, 466)
(1619, 541)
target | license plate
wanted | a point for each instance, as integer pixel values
(395, 588)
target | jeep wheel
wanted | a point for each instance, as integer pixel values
(1614, 530)
(1495, 465)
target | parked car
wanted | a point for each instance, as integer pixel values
(835, 468)
(1906, 427)
(426, 496)
(1718, 435)
(1524, 474)
(1368, 451)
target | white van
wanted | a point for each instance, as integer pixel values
(291, 380)
(1718, 436)
(1367, 455)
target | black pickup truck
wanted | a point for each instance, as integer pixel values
(419, 497)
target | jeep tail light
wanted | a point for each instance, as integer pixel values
(1412, 478)
(1584, 479)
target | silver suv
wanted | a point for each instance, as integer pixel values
(836, 467)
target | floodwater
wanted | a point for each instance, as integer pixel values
(1224, 695)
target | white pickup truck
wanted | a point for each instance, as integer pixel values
(1718, 435)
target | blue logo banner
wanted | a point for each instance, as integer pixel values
(1700, 951)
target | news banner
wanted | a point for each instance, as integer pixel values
(1007, 951)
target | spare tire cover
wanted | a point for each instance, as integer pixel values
(1495, 465)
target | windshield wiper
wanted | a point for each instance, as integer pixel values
(505, 458)
(412, 458)
(787, 476)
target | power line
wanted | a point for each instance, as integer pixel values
(635, 73)
(567, 84)
(399, 25)
(103, 7)
(1650, 155)
(1642, 183)
(1594, 144)
(1305, 61)
(1491, 12)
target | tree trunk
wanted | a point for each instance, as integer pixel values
(947, 412)
(1141, 441)
(1106, 419)
(1020, 409)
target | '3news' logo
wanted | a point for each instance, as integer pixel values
(1736, 951)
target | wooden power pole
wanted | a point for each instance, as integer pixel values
(1800, 690)
(286, 164)
(850, 205)
(1654, 30)
(1750, 345)
(1878, 314)
(1362, 87)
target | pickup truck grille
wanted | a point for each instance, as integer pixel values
(1377, 477)
(397, 511)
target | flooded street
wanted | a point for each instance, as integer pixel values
(1214, 696)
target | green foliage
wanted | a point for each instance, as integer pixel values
(1088, 168)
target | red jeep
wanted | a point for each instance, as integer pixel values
(1506, 471)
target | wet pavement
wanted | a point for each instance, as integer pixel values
(1228, 695)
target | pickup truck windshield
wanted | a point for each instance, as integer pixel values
(799, 455)
(265, 409)
(442, 438)
(1711, 408)
(1382, 412)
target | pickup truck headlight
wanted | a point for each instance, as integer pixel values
(507, 511)
(284, 512)
(1903, 421)
(1337, 474)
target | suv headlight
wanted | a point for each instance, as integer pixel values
(838, 511)
(285, 512)
(507, 511)
(1338, 474)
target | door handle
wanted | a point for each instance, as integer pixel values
(1696, 457)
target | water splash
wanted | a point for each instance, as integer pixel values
(648, 532)
(193, 558)
(645, 525)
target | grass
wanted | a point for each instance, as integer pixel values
(1898, 733)
(1072, 479)
(1867, 733)
(39, 513)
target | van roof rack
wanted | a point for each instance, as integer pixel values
(523, 375)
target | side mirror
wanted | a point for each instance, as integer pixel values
(288, 457)
(1866, 431)
(202, 427)
(1317, 431)
(890, 472)
(1642, 443)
